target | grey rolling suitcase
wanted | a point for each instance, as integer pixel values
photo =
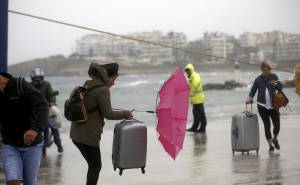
(245, 132)
(129, 145)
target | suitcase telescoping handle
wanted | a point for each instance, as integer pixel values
(249, 114)
(131, 120)
(247, 107)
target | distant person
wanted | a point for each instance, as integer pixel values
(38, 81)
(297, 79)
(266, 84)
(23, 112)
(237, 72)
(197, 99)
(86, 136)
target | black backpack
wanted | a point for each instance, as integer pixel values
(75, 110)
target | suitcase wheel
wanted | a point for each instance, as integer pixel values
(143, 170)
(121, 171)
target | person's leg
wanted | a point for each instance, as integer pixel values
(12, 165)
(31, 160)
(202, 118)
(196, 116)
(275, 116)
(264, 114)
(57, 139)
(92, 156)
(46, 136)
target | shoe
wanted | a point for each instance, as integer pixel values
(271, 149)
(191, 130)
(44, 152)
(60, 149)
(276, 144)
(202, 130)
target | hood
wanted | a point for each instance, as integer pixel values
(190, 67)
(98, 73)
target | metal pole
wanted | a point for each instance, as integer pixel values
(3, 34)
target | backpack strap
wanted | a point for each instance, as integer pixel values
(19, 86)
(90, 89)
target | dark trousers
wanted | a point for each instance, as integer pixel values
(56, 136)
(199, 116)
(265, 115)
(92, 156)
(46, 133)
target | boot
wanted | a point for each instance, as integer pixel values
(202, 130)
(60, 149)
(191, 129)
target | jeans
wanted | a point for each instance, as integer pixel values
(22, 163)
(92, 156)
(56, 136)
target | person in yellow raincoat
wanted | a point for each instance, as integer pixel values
(197, 99)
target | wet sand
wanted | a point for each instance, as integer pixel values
(205, 159)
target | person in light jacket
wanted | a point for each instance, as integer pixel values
(266, 84)
(86, 136)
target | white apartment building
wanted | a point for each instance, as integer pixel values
(107, 47)
(275, 45)
(218, 44)
(248, 39)
(287, 51)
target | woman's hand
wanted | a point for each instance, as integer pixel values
(249, 100)
(273, 82)
(29, 137)
(130, 116)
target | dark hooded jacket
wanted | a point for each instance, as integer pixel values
(261, 83)
(98, 100)
(46, 90)
(22, 108)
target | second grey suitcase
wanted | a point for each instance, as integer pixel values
(245, 132)
(129, 145)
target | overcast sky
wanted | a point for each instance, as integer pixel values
(30, 38)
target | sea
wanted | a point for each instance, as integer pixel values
(139, 92)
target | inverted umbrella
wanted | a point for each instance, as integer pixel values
(172, 112)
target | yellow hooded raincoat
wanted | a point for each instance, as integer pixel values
(196, 93)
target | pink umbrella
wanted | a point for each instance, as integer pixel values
(172, 112)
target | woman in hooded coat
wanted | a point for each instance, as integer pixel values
(86, 136)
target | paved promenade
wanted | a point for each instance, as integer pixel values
(205, 159)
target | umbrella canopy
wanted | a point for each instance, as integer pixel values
(172, 112)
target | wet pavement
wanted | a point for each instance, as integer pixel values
(205, 159)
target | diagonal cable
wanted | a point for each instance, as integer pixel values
(135, 39)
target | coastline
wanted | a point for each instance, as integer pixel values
(75, 67)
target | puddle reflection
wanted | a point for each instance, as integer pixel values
(51, 170)
(273, 170)
(199, 149)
